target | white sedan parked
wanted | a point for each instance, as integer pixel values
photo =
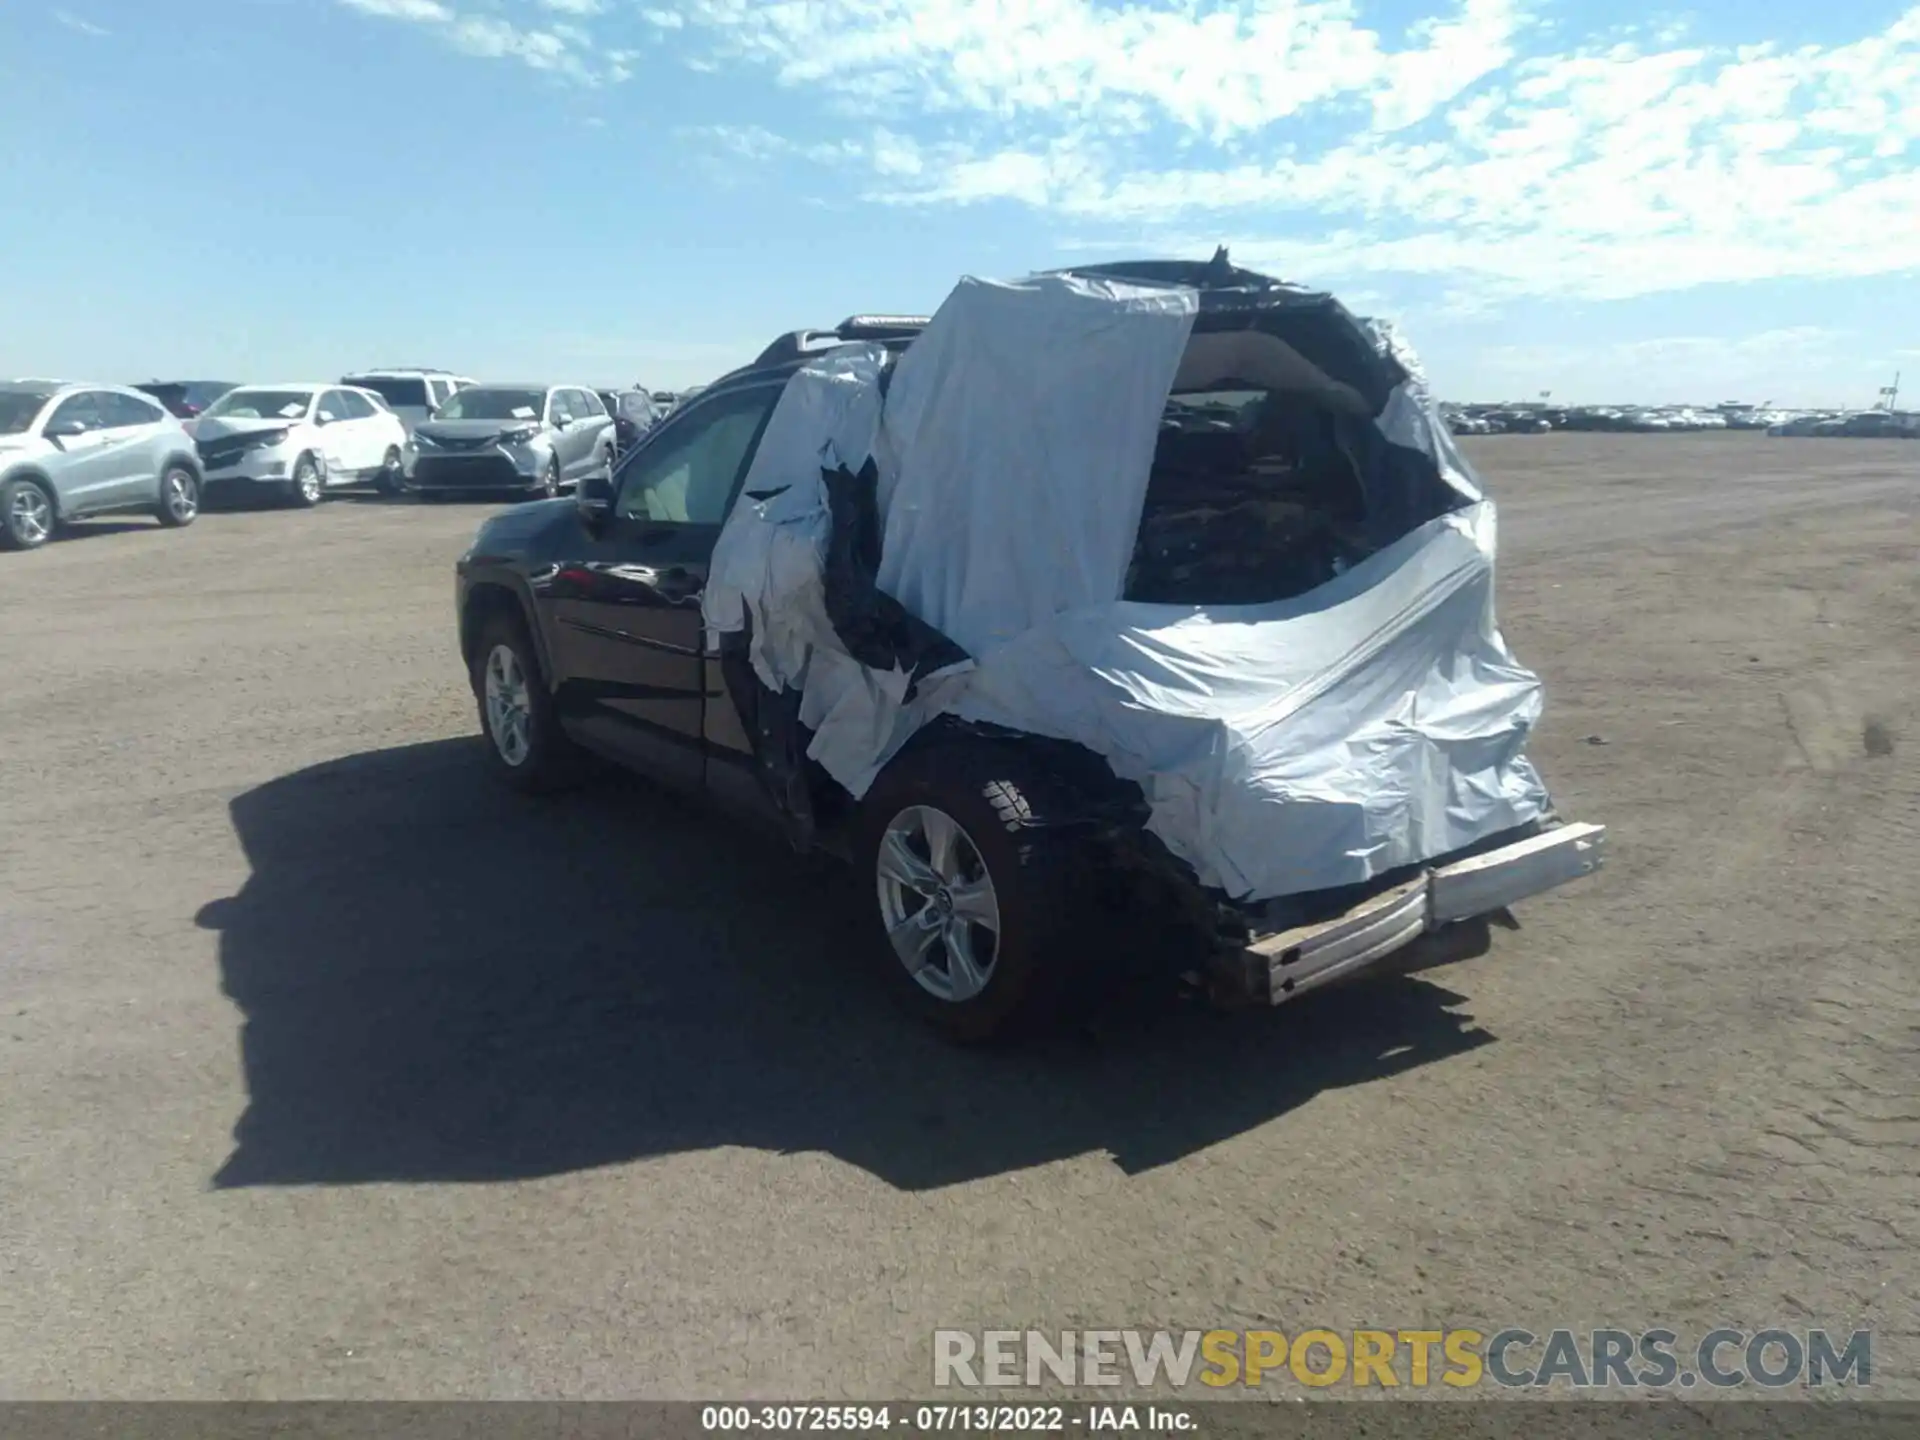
(300, 440)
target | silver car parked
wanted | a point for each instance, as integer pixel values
(522, 439)
(69, 451)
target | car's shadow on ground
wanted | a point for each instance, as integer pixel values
(443, 981)
(92, 529)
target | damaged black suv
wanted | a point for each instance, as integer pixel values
(1306, 755)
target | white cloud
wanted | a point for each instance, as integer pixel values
(80, 25)
(565, 50)
(1219, 70)
(1623, 168)
(431, 11)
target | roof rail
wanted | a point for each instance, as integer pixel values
(880, 326)
(796, 343)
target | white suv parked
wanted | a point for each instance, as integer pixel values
(301, 440)
(412, 393)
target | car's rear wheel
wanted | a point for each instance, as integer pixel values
(26, 515)
(980, 902)
(525, 743)
(306, 488)
(179, 502)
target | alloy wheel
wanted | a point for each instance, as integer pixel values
(509, 706)
(182, 503)
(938, 903)
(31, 515)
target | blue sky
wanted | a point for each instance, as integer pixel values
(1692, 204)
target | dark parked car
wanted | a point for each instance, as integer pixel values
(185, 399)
(993, 853)
(634, 413)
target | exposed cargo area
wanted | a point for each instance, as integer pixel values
(1254, 496)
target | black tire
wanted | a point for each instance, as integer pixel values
(28, 516)
(549, 760)
(392, 473)
(179, 502)
(1002, 802)
(306, 488)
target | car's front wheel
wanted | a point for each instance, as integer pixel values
(179, 502)
(525, 743)
(979, 901)
(306, 487)
(548, 485)
(392, 474)
(26, 515)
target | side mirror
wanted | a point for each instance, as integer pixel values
(594, 499)
(66, 429)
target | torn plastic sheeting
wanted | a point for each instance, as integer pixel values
(775, 575)
(1376, 721)
(774, 544)
(875, 629)
(1020, 430)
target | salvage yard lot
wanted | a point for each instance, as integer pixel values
(331, 1069)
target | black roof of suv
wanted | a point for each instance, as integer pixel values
(1312, 321)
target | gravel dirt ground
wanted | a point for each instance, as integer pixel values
(328, 1068)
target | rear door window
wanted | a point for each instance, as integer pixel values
(395, 390)
(124, 411)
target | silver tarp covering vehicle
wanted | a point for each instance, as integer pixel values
(1207, 526)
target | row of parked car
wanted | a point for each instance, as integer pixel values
(1666, 419)
(72, 450)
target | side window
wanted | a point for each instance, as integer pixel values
(84, 408)
(687, 476)
(358, 407)
(437, 393)
(118, 410)
(588, 406)
(559, 411)
(334, 403)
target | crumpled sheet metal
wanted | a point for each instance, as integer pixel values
(1375, 722)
